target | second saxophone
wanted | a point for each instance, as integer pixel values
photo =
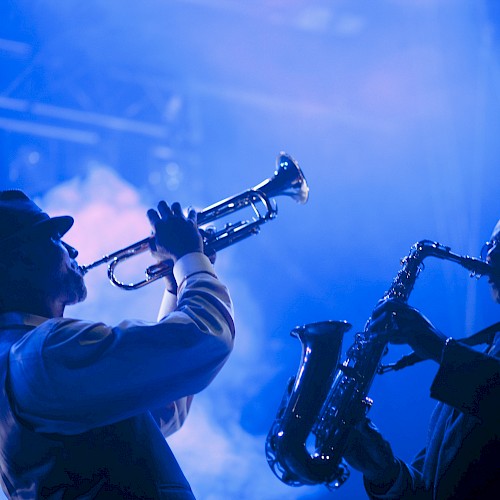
(308, 438)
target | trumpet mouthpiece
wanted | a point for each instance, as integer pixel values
(83, 270)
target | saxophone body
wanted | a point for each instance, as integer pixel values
(308, 438)
(286, 451)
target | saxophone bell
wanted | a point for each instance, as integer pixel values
(286, 451)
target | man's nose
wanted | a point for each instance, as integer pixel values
(73, 252)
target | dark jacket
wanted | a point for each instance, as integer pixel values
(462, 456)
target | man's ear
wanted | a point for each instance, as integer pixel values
(18, 261)
(26, 259)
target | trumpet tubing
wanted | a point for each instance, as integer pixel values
(288, 180)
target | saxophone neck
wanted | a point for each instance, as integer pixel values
(411, 265)
(477, 267)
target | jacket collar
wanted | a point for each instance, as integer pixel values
(13, 319)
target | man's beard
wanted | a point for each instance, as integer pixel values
(72, 286)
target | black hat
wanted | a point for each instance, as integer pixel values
(19, 216)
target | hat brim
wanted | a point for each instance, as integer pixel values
(55, 226)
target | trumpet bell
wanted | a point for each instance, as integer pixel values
(288, 180)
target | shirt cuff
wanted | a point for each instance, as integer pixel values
(192, 263)
(467, 380)
(168, 304)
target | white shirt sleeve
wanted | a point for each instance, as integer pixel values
(171, 417)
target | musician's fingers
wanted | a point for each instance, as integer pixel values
(379, 323)
(381, 308)
(164, 209)
(177, 210)
(192, 215)
(153, 216)
(212, 255)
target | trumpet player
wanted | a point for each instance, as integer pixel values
(84, 406)
(461, 459)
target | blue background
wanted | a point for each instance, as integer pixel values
(392, 110)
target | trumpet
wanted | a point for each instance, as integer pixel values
(288, 180)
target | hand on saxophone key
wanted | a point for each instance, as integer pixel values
(399, 323)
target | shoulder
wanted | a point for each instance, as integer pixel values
(58, 333)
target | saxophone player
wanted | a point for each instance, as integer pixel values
(462, 454)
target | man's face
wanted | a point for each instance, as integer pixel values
(59, 274)
(492, 256)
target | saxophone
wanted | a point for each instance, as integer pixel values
(325, 399)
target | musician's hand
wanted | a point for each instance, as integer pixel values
(368, 452)
(212, 255)
(175, 235)
(209, 252)
(169, 278)
(402, 324)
